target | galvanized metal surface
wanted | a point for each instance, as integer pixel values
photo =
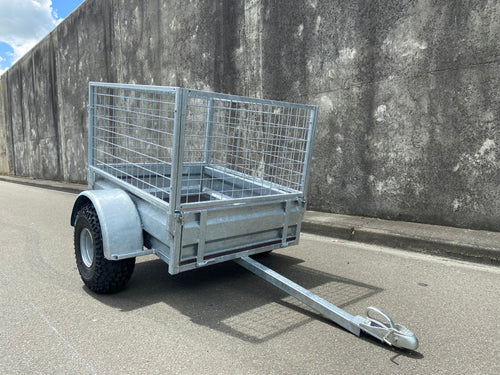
(390, 333)
(198, 146)
(213, 176)
(120, 223)
(325, 308)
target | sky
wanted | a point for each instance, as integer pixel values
(23, 23)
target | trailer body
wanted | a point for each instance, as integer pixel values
(198, 178)
(212, 176)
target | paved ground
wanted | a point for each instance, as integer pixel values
(224, 320)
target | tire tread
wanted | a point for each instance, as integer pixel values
(104, 276)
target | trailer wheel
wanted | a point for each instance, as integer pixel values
(98, 273)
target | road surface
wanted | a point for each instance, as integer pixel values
(222, 319)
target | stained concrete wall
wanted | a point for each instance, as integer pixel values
(408, 91)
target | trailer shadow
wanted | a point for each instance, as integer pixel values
(230, 299)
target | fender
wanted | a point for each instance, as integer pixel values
(120, 222)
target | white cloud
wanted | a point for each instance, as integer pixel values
(25, 22)
(2, 71)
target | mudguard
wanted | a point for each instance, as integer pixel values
(120, 222)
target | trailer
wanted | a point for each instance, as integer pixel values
(199, 178)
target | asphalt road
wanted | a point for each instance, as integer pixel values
(224, 320)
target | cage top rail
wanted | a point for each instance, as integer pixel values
(200, 94)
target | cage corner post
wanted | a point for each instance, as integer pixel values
(175, 222)
(91, 111)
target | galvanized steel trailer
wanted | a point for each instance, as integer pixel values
(198, 178)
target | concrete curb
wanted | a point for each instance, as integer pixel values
(470, 245)
(45, 184)
(467, 244)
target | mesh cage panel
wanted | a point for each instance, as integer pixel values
(228, 147)
(247, 149)
(133, 136)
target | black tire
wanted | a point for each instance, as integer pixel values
(99, 274)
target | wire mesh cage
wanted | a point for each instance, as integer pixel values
(190, 147)
(199, 178)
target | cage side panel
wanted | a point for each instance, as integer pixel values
(239, 227)
(245, 147)
(310, 145)
(133, 135)
(262, 142)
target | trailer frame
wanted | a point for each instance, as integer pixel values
(198, 178)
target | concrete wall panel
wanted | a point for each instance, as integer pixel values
(408, 91)
(82, 55)
(5, 142)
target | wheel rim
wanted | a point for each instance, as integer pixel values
(87, 247)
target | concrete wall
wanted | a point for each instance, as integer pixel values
(408, 90)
